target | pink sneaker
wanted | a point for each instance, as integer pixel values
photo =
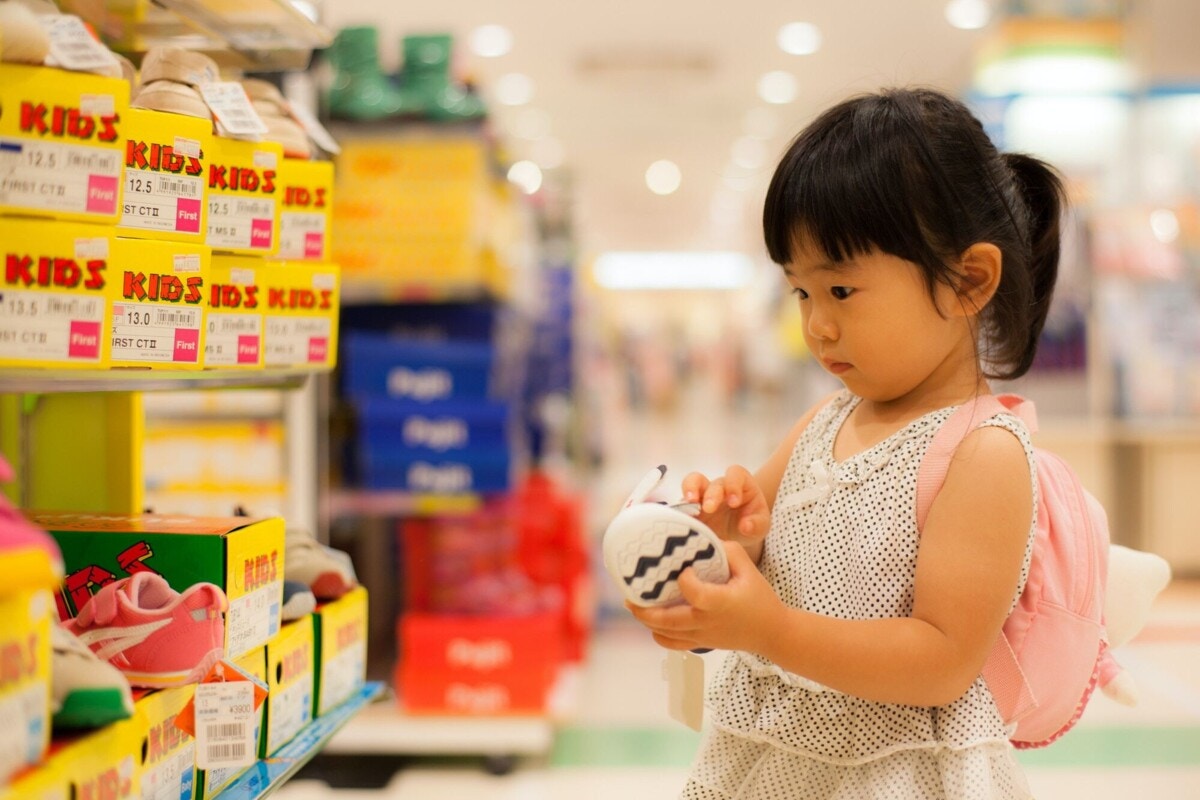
(156, 636)
(32, 559)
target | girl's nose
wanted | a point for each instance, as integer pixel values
(821, 325)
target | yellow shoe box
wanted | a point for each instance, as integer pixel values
(104, 764)
(166, 166)
(236, 299)
(300, 322)
(167, 754)
(157, 301)
(25, 619)
(243, 556)
(290, 661)
(306, 221)
(44, 782)
(211, 781)
(54, 293)
(62, 143)
(244, 200)
(340, 628)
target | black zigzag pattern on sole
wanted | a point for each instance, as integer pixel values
(703, 555)
(647, 563)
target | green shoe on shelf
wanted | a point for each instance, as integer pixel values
(426, 85)
(360, 91)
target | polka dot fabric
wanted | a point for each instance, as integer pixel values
(843, 543)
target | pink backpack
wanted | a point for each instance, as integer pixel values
(1052, 650)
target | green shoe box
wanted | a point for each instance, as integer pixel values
(241, 555)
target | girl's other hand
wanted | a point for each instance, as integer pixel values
(733, 506)
(741, 614)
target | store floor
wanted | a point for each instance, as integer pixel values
(617, 742)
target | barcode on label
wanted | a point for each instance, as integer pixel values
(223, 752)
(185, 319)
(226, 732)
(190, 189)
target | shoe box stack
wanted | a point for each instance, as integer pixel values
(429, 399)
(134, 232)
(167, 605)
(495, 602)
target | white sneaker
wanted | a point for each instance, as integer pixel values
(172, 97)
(648, 545)
(328, 572)
(85, 691)
(23, 40)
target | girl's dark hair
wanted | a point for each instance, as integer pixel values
(912, 173)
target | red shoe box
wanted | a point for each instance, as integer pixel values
(480, 666)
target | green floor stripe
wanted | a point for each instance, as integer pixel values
(624, 747)
(1090, 747)
(1119, 747)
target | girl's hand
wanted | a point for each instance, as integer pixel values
(741, 614)
(733, 506)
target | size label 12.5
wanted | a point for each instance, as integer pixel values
(240, 222)
(49, 176)
(170, 203)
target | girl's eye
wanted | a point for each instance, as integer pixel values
(841, 292)
(803, 295)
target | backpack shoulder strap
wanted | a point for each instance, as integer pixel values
(936, 463)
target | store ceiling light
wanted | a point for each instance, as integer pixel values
(1165, 225)
(526, 175)
(799, 38)
(663, 177)
(514, 89)
(625, 270)
(777, 87)
(491, 41)
(968, 15)
(1064, 73)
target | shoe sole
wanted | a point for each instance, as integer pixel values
(92, 708)
(330, 586)
(168, 680)
(648, 546)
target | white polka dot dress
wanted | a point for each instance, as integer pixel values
(843, 543)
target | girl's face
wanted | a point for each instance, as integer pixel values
(871, 323)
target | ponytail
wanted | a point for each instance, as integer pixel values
(1040, 191)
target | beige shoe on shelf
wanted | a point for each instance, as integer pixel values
(179, 66)
(176, 98)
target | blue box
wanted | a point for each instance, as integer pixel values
(478, 471)
(384, 366)
(422, 429)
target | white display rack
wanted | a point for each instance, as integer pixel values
(35, 381)
(253, 35)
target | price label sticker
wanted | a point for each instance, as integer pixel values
(72, 46)
(225, 725)
(232, 108)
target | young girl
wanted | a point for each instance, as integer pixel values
(923, 262)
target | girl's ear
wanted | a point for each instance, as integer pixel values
(979, 271)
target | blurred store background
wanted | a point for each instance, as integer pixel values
(547, 221)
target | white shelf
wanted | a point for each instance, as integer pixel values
(384, 729)
(46, 381)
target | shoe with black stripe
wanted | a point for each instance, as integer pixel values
(648, 545)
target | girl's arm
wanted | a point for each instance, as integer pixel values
(968, 565)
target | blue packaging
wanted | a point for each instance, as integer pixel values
(422, 372)
(421, 429)
(478, 471)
